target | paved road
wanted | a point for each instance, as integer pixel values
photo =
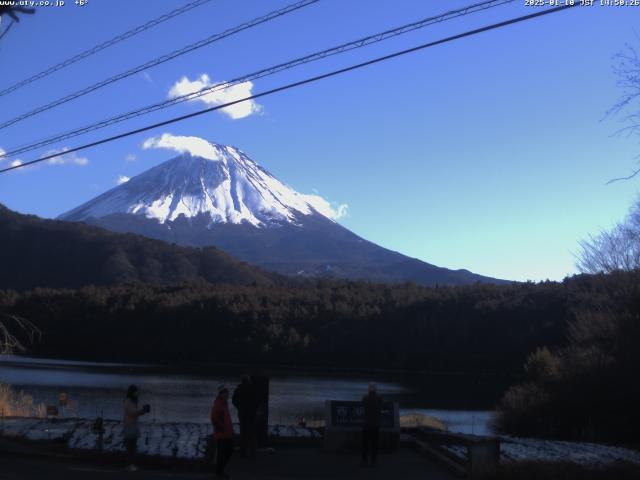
(285, 463)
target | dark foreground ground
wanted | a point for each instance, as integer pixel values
(283, 463)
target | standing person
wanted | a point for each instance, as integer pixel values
(131, 426)
(372, 406)
(222, 430)
(245, 399)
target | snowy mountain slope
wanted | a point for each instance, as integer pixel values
(228, 186)
(219, 196)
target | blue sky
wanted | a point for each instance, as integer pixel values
(489, 153)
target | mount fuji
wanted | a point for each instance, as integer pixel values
(217, 195)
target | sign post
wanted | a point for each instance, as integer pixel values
(52, 411)
(63, 398)
(343, 425)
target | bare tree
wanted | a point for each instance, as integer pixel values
(615, 249)
(619, 248)
(14, 10)
(10, 341)
(626, 66)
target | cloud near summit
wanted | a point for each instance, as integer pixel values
(196, 146)
(184, 86)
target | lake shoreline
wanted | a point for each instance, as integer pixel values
(195, 367)
(97, 390)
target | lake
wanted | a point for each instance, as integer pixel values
(185, 395)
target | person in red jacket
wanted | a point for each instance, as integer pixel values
(222, 430)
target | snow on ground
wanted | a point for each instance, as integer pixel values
(189, 441)
(36, 429)
(514, 449)
(457, 451)
(174, 440)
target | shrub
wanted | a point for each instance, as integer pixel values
(18, 404)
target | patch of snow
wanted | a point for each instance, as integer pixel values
(517, 449)
(458, 451)
(173, 440)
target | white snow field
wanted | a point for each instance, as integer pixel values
(185, 441)
(188, 441)
(515, 449)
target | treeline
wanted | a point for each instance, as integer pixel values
(578, 339)
(480, 328)
(588, 388)
(50, 253)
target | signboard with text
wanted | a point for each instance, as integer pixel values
(349, 414)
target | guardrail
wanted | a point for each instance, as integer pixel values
(480, 458)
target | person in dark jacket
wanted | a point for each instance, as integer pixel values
(245, 399)
(222, 430)
(130, 425)
(372, 407)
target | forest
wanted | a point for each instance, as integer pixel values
(587, 388)
(569, 347)
(571, 344)
(480, 328)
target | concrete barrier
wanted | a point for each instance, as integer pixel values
(482, 457)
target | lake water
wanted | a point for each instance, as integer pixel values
(186, 396)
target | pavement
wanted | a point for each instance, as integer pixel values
(281, 463)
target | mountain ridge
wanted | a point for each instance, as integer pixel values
(57, 254)
(222, 197)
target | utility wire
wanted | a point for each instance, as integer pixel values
(302, 82)
(165, 58)
(104, 45)
(362, 42)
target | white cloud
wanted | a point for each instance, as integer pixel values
(329, 209)
(219, 97)
(342, 211)
(196, 146)
(122, 179)
(130, 158)
(12, 163)
(326, 208)
(65, 158)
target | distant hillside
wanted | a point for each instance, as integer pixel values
(52, 253)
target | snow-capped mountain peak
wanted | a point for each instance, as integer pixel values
(216, 180)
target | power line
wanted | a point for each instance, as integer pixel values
(162, 59)
(303, 82)
(362, 42)
(104, 45)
